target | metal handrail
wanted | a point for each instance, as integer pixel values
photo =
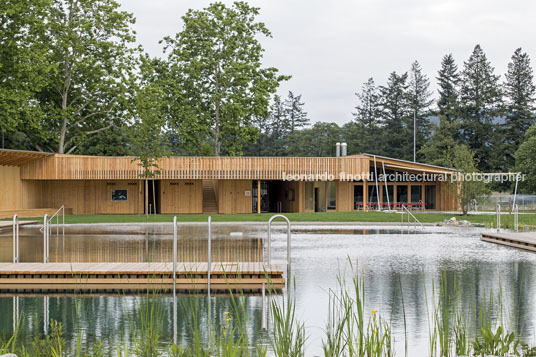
(498, 213)
(15, 238)
(270, 238)
(516, 217)
(46, 233)
(56, 214)
(412, 215)
(175, 280)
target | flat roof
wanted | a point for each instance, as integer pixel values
(10, 157)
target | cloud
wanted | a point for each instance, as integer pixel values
(331, 48)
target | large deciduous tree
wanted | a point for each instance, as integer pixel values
(90, 46)
(216, 59)
(526, 160)
(23, 67)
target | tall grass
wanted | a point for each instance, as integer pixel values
(484, 328)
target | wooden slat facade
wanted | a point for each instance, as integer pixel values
(74, 167)
(84, 183)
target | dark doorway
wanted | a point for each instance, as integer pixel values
(153, 190)
(358, 197)
(318, 204)
(430, 197)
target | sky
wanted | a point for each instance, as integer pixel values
(330, 48)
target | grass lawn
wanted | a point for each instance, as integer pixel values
(507, 219)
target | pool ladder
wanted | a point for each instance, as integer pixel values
(415, 220)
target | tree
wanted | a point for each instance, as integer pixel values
(525, 157)
(519, 107)
(480, 98)
(316, 141)
(367, 120)
(147, 131)
(296, 116)
(89, 43)
(395, 115)
(440, 148)
(467, 190)
(419, 103)
(23, 68)
(216, 59)
(448, 81)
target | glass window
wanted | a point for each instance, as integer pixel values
(372, 194)
(401, 194)
(415, 194)
(332, 195)
(388, 194)
(430, 196)
(119, 195)
(309, 199)
(358, 197)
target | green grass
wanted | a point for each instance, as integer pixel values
(507, 219)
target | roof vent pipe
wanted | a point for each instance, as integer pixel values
(338, 150)
(343, 149)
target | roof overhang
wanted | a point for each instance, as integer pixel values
(20, 157)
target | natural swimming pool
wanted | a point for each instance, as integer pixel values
(387, 256)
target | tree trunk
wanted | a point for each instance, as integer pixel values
(146, 198)
(154, 199)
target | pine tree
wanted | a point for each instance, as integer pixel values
(420, 101)
(519, 106)
(448, 80)
(367, 120)
(398, 142)
(480, 98)
(296, 116)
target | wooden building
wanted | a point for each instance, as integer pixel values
(113, 185)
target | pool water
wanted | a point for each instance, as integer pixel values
(395, 263)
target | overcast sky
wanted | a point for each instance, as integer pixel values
(331, 47)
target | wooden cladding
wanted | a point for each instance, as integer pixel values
(73, 167)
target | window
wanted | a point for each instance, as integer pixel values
(415, 194)
(332, 195)
(119, 195)
(402, 194)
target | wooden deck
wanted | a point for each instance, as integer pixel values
(525, 241)
(135, 277)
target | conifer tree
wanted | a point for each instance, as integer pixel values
(367, 118)
(420, 101)
(480, 98)
(448, 81)
(296, 116)
(519, 91)
(398, 142)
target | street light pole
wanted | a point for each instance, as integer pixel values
(414, 136)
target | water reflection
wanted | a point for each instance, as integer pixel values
(388, 258)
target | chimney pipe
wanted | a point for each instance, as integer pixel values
(338, 150)
(343, 149)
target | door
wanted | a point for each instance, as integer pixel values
(318, 205)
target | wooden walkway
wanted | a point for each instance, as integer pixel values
(135, 277)
(525, 241)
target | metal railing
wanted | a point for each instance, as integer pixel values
(415, 220)
(516, 217)
(269, 248)
(15, 238)
(46, 237)
(498, 214)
